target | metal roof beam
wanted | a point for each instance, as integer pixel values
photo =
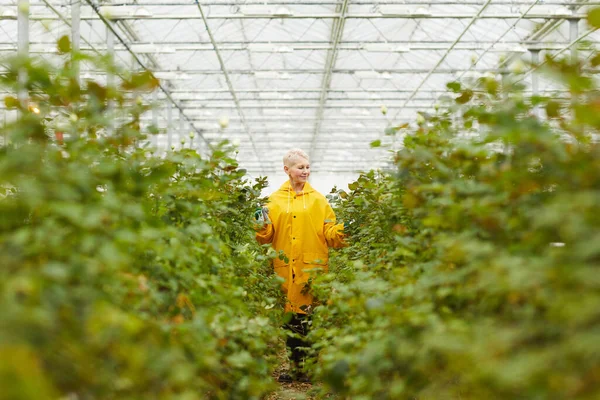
(286, 118)
(298, 106)
(42, 17)
(179, 92)
(143, 3)
(320, 72)
(354, 139)
(410, 47)
(356, 44)
(366, 120)
(338, 100)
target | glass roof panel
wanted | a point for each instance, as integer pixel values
(313, 74)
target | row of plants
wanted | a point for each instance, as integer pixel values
(472, 270)
(124, 274)
(474, 263)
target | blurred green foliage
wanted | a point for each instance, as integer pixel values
(125, 275)
(473, 270)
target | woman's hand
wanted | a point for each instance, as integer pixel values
(261, 217)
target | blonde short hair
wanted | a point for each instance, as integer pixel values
(292, 155)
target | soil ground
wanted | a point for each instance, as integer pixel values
(293, 390)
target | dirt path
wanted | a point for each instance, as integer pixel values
(293, 390)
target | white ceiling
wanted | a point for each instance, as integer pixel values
(310, 74)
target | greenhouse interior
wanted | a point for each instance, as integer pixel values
(453, 144)
(326, 77)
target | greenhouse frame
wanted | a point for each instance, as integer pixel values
(325, 76)
(319, 199)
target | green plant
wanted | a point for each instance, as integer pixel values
(124, 274)
(481, 282)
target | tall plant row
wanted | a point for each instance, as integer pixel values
(473, 266)
(472, 270)
(124, 274)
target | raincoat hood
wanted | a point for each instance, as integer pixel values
(287, 187)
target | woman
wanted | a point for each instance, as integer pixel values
(300, 222)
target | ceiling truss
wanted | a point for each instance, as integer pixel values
(311, 74)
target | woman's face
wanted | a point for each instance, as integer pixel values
(299, 171)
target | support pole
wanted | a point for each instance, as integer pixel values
(23, 27)
(154, 139)
(169, 126)
(110, 49)
(181, 129)
(535, 59)
(75, 34)
(573, 35)
(110, 80)
(23, 48)
(4, 123)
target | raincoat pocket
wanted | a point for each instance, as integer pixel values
(312, 264)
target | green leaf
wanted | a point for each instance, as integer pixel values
(465, 97)
(454, 86)
(141, 81)
(595, 61)
(491, 86)
(64, 44)
(553, 109)
(593, 17)
(376, 143)
(97, 90)
(11, 102)
(337, 374)
(393, 129)
(537, 100)
(153, 129)
(242, 359)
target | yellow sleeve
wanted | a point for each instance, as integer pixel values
(334, 233)
(265, 235)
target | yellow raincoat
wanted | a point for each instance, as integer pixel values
(303, 226)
